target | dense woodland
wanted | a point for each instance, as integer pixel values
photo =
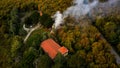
(88, 45)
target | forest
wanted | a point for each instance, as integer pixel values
(89, 45)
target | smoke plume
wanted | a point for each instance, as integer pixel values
(81, 8)
(58, 19)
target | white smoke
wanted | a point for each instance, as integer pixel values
(106, 8)
(58, 19)
(109, 3)
(78, 10)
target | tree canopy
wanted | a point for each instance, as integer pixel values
(89, 42)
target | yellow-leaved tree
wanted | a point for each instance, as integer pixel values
(51, 6)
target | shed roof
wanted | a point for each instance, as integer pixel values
(52, 48)
(63, 50)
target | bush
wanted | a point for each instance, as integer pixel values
(46, 20)
(32, 19)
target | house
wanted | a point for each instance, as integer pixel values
(52, 48)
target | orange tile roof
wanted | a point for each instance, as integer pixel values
(63, 50)
(52, 48)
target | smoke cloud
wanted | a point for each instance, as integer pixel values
(80, 8)
(106, 8)
(58, 20)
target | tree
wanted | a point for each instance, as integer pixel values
(118, 47)
(33, 19)
(76, 61)
(59, 60)
(28, 58)
(15, 46)
(46, 20)
(44, 61)
(110, 28)
(47, 5)
(36, 38)
(14, 22)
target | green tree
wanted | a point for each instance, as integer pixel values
(16, 44)
(28, 58)
(44, 61)
(46, 20)
(14, 22)
(76, 61)
(59, 60)
(33, 19)
(110, 28)
(36, 38)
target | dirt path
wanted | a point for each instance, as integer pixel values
(116, 55)
(30, 31)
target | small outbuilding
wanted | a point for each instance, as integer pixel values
(52, 48)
